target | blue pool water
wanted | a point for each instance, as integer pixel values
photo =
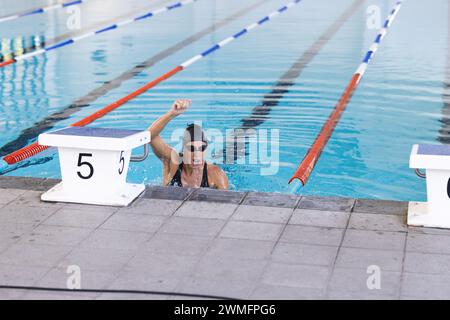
(402, 100)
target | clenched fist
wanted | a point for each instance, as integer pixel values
(180, 106)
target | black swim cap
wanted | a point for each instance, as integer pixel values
(193, 133)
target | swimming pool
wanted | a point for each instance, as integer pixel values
(402, 100)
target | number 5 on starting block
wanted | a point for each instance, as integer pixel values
(94, 164)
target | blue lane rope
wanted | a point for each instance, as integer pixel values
(35, 148)
(102, 30)
(40, 10)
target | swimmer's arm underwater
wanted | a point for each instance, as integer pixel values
(161, 149)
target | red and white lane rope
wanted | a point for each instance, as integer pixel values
(306, 167)
(35, 148)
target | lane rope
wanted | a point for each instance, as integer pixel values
(35, 11)
(35, 148)
(47, 123)
(102, 30)
(306, 167)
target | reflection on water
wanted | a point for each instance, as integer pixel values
(398, 103)
(12, 48)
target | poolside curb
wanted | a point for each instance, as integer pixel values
(276, 200)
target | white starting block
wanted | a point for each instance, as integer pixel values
(435, 159)
(94, 164)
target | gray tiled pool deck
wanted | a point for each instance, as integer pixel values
(234, 244)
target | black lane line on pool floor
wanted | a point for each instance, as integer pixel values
(444, 132)
(49, 122)
(92, 28)
(272, 99)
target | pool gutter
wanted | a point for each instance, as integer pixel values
(278, 200)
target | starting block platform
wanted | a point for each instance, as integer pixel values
(435, 159)
(94, 164)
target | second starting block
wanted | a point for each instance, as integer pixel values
(94, 164)
(435, 159)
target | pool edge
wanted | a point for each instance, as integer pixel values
(278, 200)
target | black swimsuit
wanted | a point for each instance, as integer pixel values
(176, 180)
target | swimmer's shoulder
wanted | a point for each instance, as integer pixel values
(217, 178)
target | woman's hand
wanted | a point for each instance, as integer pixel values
(179, 106)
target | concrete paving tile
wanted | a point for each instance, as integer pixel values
(426, 286)
(227, 269)
(427, 263)
(33, 199)
(144, 281)
(157, 207)
(177, 244)
(377, 222)
(300, 276)
(24, 214)
(5, 244)
(428, 243)
(240, 249)
(89, 279)
(251, 230)
(262, 214)
(193, 226)
(328, 219)
(97, 258)
(134, 222)
(217, 287)
(24, 183)
(214, 195)
(363, 258)
(353, 283)
(33, 255)
(382, 240)
(342, 294)
(115, 239)
(162, 265)
(381, 207)
(312, 235)
(56, 235)
(12, 232)
(21, 275)
(77, 218)
(48, 183)
(276, 292)
(297, 253)
(129, 296)
(167, 193)
(326, 203)
(9, 195)
(207, 210)
(264, 199)
(91, 208)
(145, 247)
(184, 296)
(48, 295)
(8, 294)
(420, 230)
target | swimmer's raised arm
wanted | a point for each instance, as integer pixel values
(159, 146)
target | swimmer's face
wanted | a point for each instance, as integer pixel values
(193, 153)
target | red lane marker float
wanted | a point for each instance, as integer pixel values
(125, 99)
(35, 148)
(8, 62)
(24, 153)
(306, 167)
